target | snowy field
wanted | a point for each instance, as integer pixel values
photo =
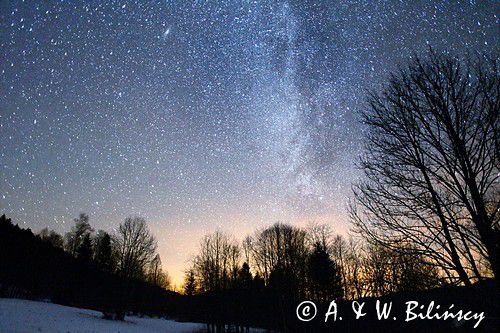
(22, 316)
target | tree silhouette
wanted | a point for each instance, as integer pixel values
(155, 274)
(432, 164)
(51, 237)
(245, 277)
(190, 283)
(135, 246)
(103, 253)
(279, 254)
(84, 252)
(325, 282)
(74, 238)
(217, 263)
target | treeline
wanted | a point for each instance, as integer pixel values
(234, 295)
(261, 280)
(129, 253)
(311, 263)
(91, 272)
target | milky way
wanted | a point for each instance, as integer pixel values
(201, 115)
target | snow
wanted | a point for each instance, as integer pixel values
(22, 316)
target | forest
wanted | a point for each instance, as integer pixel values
(424, 225)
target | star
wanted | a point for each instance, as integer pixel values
(245, 117)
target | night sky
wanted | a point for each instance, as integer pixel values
(199, 115)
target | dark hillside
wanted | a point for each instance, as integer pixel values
(30, 268)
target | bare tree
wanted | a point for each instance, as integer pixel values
(217, 264)
(339, 250)
(156, 275)
(388, 271)
(135, 246)
(349, 253)
(280, 254)
(320, 234)
(432, 165)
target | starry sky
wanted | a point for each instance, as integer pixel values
(201, 115)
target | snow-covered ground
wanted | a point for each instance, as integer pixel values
(22, 316)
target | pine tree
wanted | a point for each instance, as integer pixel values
(324, 275)
(190, 283)
(245, 277)
(104, 252)
(84, 252)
